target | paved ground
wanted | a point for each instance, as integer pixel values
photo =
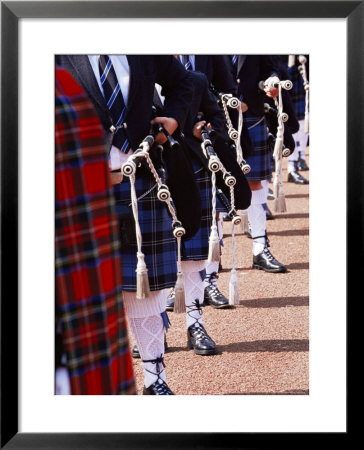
(263, 343)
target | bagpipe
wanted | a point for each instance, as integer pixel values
(215, 165)
(129, 169)
(302, 70)
(282, 117)
(227, 101)
(271, 117)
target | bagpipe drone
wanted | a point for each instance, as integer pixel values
(215, 165)
(279, 149)
(129, 169)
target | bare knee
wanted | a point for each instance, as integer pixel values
(255, 185)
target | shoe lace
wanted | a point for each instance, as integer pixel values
(171, 294)
(213, 289)
(162, 388)
(159, 365)
(194, 307)
(268, 253)
(265, 236)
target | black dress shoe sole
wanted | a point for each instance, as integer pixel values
(278, 270)
(201, 352)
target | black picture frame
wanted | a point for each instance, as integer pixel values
(11, 12)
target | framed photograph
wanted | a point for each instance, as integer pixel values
(31, 34)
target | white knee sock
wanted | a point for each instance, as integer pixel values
(257, 220)
(194, 289)
(146, 323)
(265, 184)
(210, 267)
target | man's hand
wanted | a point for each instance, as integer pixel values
(170, 126)
(197, 129)
(244, 107)
(269, 88)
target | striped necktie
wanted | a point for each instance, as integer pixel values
(234, 60)
(187, 62)
(115, 102)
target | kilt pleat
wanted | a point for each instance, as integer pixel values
(158, 243)
(260, 159)
(197, 248)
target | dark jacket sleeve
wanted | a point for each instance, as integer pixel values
(223, 77)
(269, 66)
(177, 87)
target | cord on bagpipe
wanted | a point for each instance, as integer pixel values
(230, 181)
(129, 168)
(228, 101)
(302, 69)
(269, 111)
(279, 201)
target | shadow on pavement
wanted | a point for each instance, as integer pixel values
(290, 345)
(274, 302)
(290, 392)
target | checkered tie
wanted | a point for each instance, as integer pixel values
(187, 62)
(115, 102)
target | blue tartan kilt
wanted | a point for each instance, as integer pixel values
(260, 159)
(298, 96)
(158, 243)
(197, 248)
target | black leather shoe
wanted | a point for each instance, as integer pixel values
(199, 340)
(295, 177)
(301, 165)
(227, 218)
(135, 351)
(268, 213)
(266, 261)
(212, 295)
(170, 301)
(160, 387)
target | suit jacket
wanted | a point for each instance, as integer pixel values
(204, 101)
(251, 69)
(218, 72)
(177, 88)
(145, 71)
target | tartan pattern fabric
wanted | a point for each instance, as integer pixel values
(297, 93)
(197, 248)
(158, 243)
(260, 158)
(88, 278)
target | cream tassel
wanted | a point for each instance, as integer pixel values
(142, 278)
(279, 201)
(142, 285)
(244, 226)
(233, 282)
(307, 126)
(214, 240)
(179, 290)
